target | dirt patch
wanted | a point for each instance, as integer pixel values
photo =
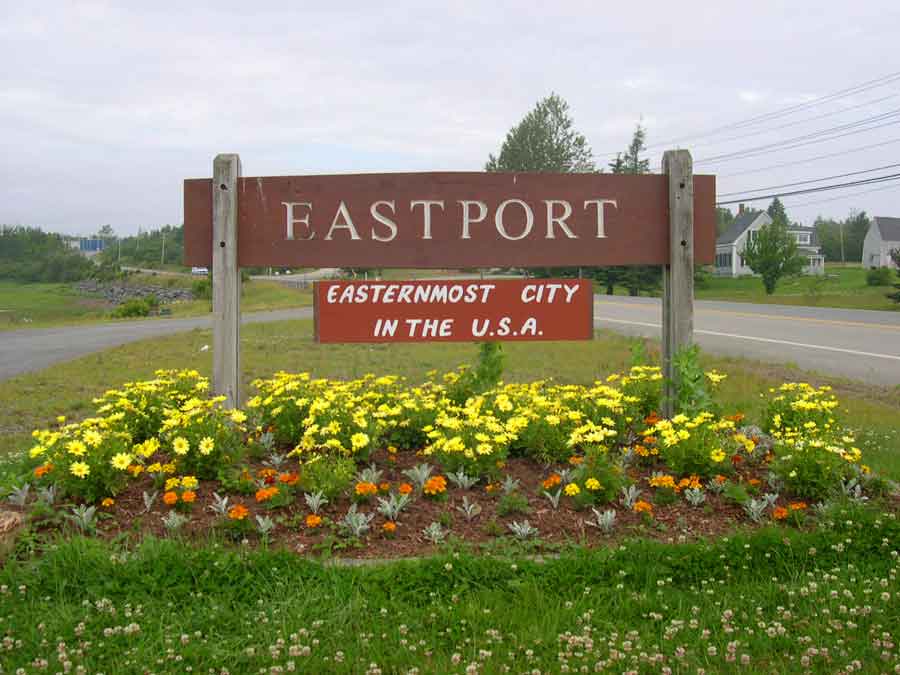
(673, 522)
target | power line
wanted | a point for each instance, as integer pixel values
(849, 194)
(817, 136)
(823, 188)
(810, 159)
(796, 122)
(765, 117)
(811, 180)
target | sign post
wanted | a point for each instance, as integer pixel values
(226, 280)
(678, 274)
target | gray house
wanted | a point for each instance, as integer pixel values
(730, 244)
(882, 238)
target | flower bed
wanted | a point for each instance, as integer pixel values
(381, 468)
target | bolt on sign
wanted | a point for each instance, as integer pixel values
(453, 311)
(448, 221)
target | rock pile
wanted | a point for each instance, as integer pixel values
(119, 293)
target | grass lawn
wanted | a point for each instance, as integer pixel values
(34, 400)
(775, 601)
(45, 305)
(843, 286)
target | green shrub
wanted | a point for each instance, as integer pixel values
(136, 307)
(879, 276)
(327, 474)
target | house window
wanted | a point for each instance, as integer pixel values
(751, 235)
(803, 238)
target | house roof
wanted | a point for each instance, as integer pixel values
(889, 228)
(738, 226)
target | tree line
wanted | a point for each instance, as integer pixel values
(28, 254)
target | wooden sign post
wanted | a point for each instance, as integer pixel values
(450, 220)
(226, 281)
(678, 274)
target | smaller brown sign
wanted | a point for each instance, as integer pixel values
(454, 311)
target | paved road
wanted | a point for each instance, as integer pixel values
(27, 350)
(859, 344)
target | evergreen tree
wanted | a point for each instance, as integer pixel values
(777, 213)
(544, 141)
(635, 278)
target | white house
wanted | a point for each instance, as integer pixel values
(882, 238)
(730, 244)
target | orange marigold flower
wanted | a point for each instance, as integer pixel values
(289, 478)
(384, 486)
(737, 417)
(238, 512)
(43, 469)
(755, 482)
(365, 488)
(265, 494)
(649, 440)
(662, 481)
(389, 527)
(135, 470)
(405, 488)
(575, 460)
(641, 451)
(313, 521)
(797, 506)
(779, 513)
(736, 459)
(266, 473)
(435, 485)
(720, 478)
(189, 496)
(170, 497)
(651, 419)
(552, 481)
(640, 506)
(109, 501)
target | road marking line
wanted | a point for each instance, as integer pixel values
(809, 319)
(760, 339)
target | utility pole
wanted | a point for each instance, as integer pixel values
(841, 230)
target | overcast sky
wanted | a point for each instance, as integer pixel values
(105, 107)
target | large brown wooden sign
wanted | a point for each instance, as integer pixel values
(454, 311)
(449, 220)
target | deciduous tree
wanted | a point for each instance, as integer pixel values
(773, 254)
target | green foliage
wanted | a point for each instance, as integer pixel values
(485, 375)
(202, 288)
(773, 254)
(136, 307)
(631, 161)
(810, 471)
(737, 493)
(895, 256)
(145, 249)
(879, 276)
(545, 141)
(329, 474)
(691, 386)
(724, 218)
(511, 504)
(598, 478)
(28, 254)
(777, 213)
(842, 240)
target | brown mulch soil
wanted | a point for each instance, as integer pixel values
(674, 522)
